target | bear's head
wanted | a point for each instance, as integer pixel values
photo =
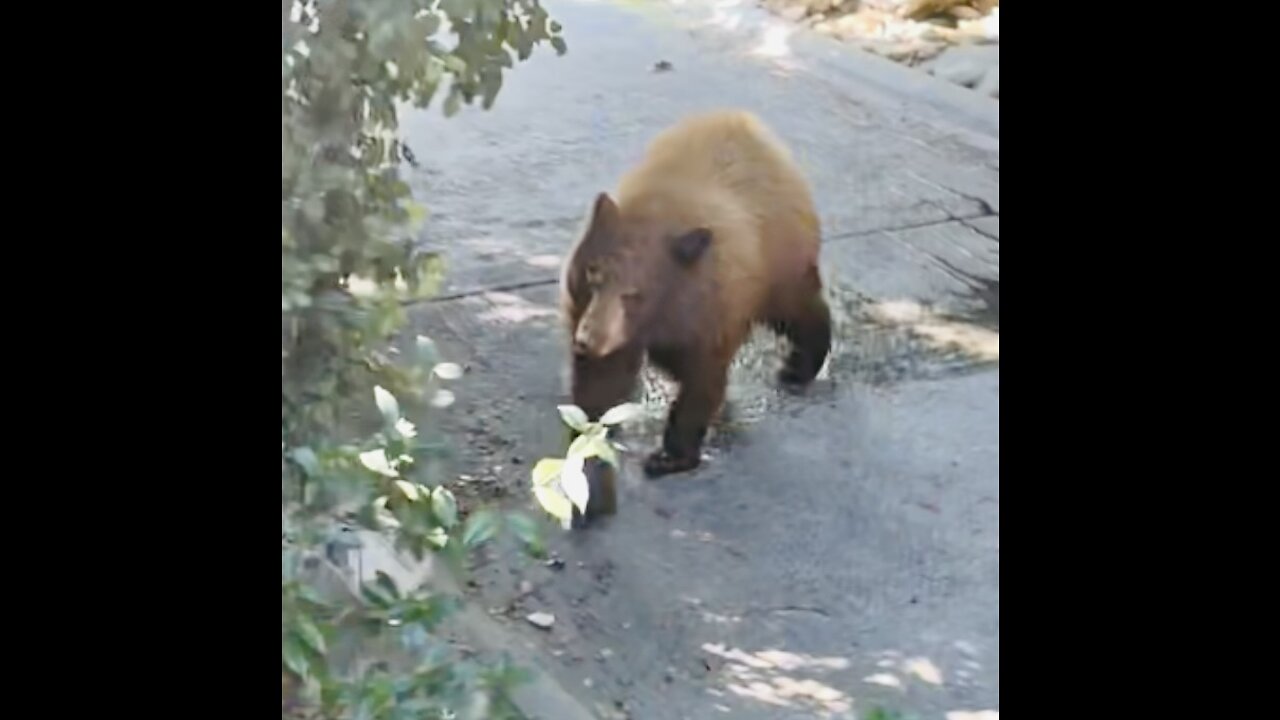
(621, 275)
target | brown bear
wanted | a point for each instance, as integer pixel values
(713, 233)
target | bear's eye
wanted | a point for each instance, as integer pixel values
(631, 296)
(595, 278)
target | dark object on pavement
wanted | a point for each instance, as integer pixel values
(602, 480)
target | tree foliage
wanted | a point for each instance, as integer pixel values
(348, 266)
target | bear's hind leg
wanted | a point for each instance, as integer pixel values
(806, 322)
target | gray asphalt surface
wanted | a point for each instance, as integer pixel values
(839, 550)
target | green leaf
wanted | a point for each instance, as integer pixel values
(459, 9)
(294, 656)
(547, 471)
(453, 103)
(417, 215)
(604, 450)
(387, 520)
(305, 458)
(425, 350)
(492, 84)
(312, 597)
(444, 506)
(578, 448)
(387, 405)
(592, 443)
(526, 530)
(575, 417)
(388, 585)
(309, 634)
(427, 275)
(481, 527)
(406, 429)
(430, 24)
(376, 596)
(622, 414)
(409, 489)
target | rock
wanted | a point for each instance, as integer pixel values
(910, 52)
(827, 27)
(820, 6)
(987, 28)
(603, 498)
(541, 620)
(867, 23)
(927, 51)
(966, 65)
(922, 9)
(899, 52)
(794, 13)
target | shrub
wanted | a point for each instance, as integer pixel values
(348, 266)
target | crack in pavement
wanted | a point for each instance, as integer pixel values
(544, 282)
(982, 203)
(464, 294)
(984, 233)
(951, 218)
(788, 609)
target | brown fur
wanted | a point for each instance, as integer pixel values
(714, 232)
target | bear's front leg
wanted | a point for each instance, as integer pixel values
(702, 390)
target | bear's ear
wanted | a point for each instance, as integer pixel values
(604, 214)
(691, 246)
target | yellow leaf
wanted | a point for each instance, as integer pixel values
(556, 504)
(574, 483)
(622, 414)
(547, 471)
(574, 417)
(376, 460)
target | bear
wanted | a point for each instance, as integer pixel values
(713, 233)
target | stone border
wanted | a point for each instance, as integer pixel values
(950, 105)
(542, 698)
(956, 40)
